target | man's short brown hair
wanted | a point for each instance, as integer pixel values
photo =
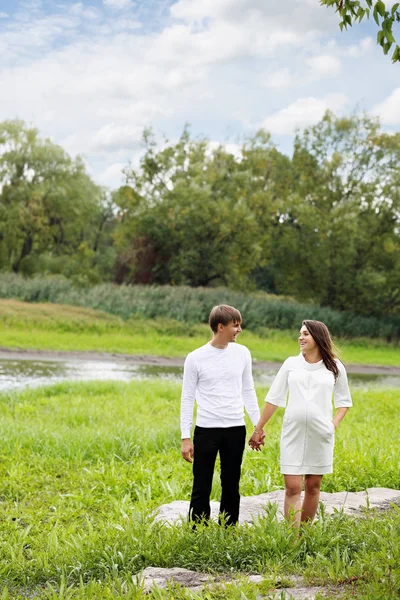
(224, 314)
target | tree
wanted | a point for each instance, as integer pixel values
(323, 226)
(338, 240)
(351, 11)
(50, 209)
(197, 215)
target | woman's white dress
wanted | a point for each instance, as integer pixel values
(307, 437)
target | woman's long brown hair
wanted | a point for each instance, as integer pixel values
(322, 338)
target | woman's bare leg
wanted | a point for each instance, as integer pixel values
(312, 489)
(293, 487)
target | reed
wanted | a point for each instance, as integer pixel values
(193, 305)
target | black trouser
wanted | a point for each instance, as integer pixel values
(207, 442)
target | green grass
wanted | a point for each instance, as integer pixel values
(82, 466)
(63, 327)
(192, 305)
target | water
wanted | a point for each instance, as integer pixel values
(17, 374)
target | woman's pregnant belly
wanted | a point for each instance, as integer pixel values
(308, 417)
(307, 436)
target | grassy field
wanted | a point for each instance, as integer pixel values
(60, 327)
(82, 466)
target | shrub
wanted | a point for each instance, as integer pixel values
(194, 304)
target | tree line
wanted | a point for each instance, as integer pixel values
(322, 225)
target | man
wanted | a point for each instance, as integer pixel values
(219, 376)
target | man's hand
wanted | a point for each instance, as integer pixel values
(187, 450)
(257, 440)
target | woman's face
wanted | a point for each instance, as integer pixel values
(306, 341)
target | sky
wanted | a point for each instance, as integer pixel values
(91, 75)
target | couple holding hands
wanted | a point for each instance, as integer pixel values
(219, 377)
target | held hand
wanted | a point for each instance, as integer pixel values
(257, 440)
(187, 450)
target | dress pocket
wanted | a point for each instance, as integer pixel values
(331, 427)
(326, 428)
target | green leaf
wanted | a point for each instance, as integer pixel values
(389, 36)
(360, 14)
(396, 54)
(380, 7)
(380, 37)
(376, 16)
(395, 7)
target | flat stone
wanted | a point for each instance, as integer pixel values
(196, 581)
(252, 507)
(302, 593)
(255, 578)
(183, 577)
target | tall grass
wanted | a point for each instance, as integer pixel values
(73, 328)
(83, 465)
(193, 305)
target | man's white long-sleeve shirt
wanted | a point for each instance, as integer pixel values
(221, 381)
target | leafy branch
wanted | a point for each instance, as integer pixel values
(351, 11)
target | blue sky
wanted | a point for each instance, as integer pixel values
(91, 75)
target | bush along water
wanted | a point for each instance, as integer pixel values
(193, 305)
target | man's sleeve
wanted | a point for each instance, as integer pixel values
(188, 396)
(249, 393)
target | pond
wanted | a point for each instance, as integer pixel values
(20, 373)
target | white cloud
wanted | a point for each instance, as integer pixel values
(24, 40)
(303, 113)
(92, 82)
(79, 9)
(290, 14)
(230, 147)
(279, 79)
(324, 65)
(238, 28)
(314, 68)
(389, 109)
(117, 3)
(115, 137)
(359, 50)
(3, 15)
(112, 174)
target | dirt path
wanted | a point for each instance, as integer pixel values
(161, 361)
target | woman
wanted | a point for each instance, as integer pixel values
(312, 378)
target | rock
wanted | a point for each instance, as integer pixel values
(184, 577)
(254, 506)
(302, 593)
(195, 582)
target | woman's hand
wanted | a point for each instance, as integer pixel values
(340, 414)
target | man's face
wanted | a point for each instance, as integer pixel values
(230, 331)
